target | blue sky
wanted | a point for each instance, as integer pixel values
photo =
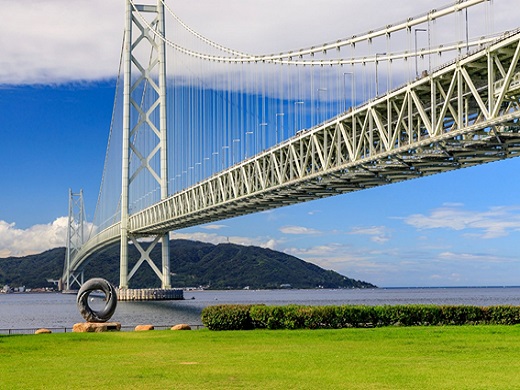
(454, 229)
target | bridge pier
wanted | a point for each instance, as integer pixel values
(149, 294)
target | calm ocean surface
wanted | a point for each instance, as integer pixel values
(55, 310)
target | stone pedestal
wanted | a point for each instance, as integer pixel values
(82, 327)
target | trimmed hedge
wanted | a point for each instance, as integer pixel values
(227, 317)
(243, 317)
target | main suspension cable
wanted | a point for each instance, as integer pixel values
(323, 48)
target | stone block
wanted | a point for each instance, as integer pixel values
(181, 327)
(143, 327)
(82, 327)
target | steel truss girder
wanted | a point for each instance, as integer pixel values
(463, 114)
(451, 119)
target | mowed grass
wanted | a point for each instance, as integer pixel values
(466, 357)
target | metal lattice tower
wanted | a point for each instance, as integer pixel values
(75, 237)
(144, 72)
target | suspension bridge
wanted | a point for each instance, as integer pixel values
(203, 132)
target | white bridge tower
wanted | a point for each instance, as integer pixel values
(144, 72)
(75, 239)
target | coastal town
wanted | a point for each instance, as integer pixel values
(21, 289)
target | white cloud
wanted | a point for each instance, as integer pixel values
(446, 279)
(495, 222)
(337, 256)
(36, 239)
(298, 230)
(61, 40)
(350, 261)
(319, 250)
(378, 234)
(474, 258)
(212, 238)
(213, 227)
(39, 238)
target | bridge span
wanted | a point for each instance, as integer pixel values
(462, 114)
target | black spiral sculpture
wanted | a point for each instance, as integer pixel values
(97, 284)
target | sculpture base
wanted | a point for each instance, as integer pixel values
(83, 327)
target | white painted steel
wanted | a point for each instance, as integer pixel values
(147, 68)
(127, 52)
(75, 238)
(402, 135)
(164, 275)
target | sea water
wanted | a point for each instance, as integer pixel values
(56, 310)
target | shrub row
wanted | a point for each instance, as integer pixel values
(243, 317)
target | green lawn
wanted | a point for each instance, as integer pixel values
(467, 357)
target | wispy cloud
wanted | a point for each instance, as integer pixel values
(378, 234)
(299, 230)
(213, 238)
(495, 222)
(350, 261)
(475, 258)
(335, 256)
(60, 39)
(446, 279)
(213, 227)
(320, 250)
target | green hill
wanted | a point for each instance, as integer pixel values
(193, 264)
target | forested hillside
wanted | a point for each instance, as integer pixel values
(193, 264)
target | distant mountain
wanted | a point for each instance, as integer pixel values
(193, 264)
(32, 271)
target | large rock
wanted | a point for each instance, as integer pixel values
(181, 327)
(143, 327)
(82, 327)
